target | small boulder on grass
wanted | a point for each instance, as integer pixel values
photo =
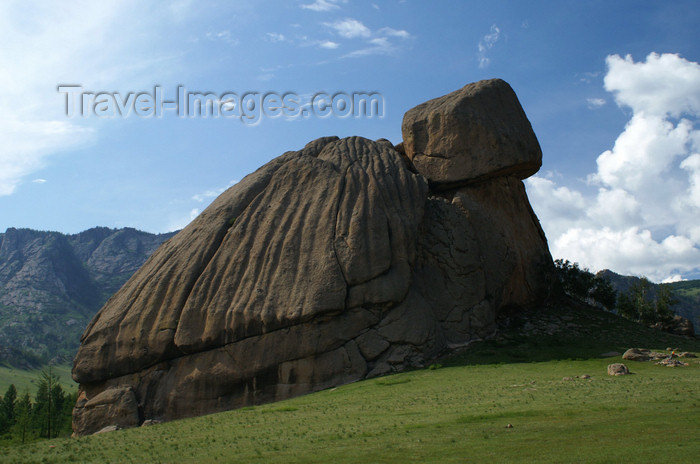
(617, 369)
(636, 354)
(109, 428)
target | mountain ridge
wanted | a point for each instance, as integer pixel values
(686, 306)
(52, 284)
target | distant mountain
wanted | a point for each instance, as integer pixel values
(687, 293)
(52, 284)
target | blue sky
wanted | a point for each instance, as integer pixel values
(612, 90)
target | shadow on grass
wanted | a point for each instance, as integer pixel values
(561, 331)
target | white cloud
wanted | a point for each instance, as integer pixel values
(222, 36)
(39, 181)
(274, 37)
(595, 103)
(643, 218)
(630, 251)
(662, 85)
(329, 44)
(588, 77)
(391, 32)
(323, 5)
(614, 207)
(45, 47)
(350, 28)
(646, 149)
(692, 165)
(563, 202)
(209, 195)
(380, 42)
(486, 43)
(673, 278)
(180, 220)
(26, 145)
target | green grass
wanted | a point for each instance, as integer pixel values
(452, 414)
(23, 379)
(456, 411)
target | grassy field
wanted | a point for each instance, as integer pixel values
(26, 379)
(457, 411)
(450, 414)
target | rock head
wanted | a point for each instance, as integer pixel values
(341, 261)
(477, 132)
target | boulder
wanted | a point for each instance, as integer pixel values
(642, 354)
(115, 407)
(636, 354)
(617, 369)
(477, 132)
(149, 422)
(329, 264)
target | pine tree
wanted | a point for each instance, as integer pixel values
(23, 418)
(7, 409)
(66, 424)
(49, 403)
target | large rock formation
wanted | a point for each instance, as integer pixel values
(338, 262)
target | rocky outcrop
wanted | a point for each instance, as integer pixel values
(329, 264)
(119, 404)
(677, 325)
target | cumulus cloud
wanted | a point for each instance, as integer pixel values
(643, 218)
(630, 251)
(662, 85)
(692, 165)
(486, 43)
(560, 206)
